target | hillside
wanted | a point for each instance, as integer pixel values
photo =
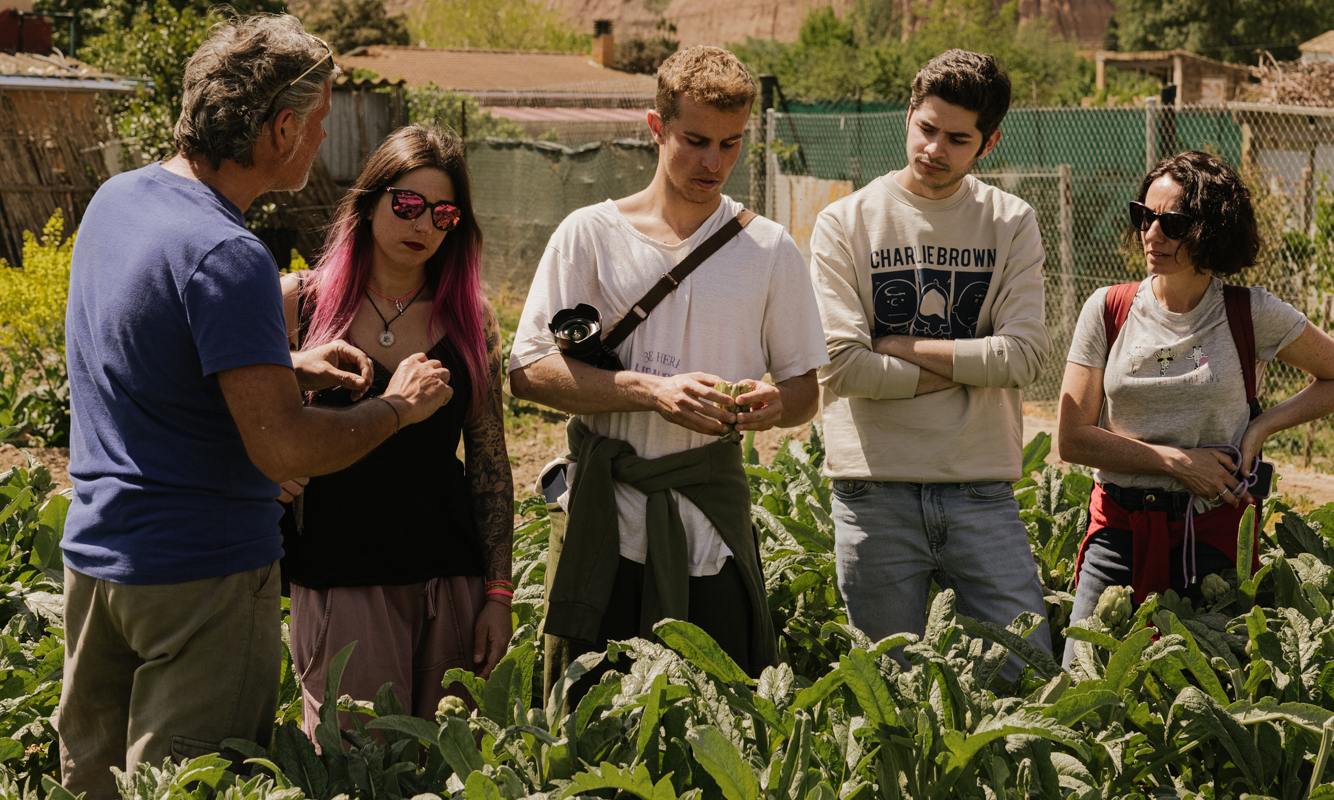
(712, 22)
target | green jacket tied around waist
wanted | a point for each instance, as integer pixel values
(712, 477)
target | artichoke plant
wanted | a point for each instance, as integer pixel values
(1215, 588)
(1114, 606)
(451, 706)
(732, 390)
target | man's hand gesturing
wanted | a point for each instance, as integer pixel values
(420, 386)
(335, 363)
(688, 400)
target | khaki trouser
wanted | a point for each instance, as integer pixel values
(167, 670)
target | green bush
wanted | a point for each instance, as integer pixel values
(34, 387)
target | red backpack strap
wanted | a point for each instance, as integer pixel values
(1237, 303)
(1115, 308)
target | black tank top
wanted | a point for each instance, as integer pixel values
(403, 514)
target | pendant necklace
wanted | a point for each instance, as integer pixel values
(387, 336)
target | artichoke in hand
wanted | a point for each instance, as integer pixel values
(732, 390)
(1114, 606)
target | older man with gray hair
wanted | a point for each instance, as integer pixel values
(187, 419)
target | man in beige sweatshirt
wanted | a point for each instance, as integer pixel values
(929, 284)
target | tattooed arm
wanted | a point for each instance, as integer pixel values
(487, 462)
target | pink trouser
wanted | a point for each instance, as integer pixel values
(406, 635)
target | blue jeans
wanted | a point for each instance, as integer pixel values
(1107, 562)
(892, 538)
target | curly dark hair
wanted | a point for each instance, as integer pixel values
(1225, 238)
(974, 81)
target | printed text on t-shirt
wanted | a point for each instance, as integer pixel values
(657, 363)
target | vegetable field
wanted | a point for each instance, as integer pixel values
(1227, 700)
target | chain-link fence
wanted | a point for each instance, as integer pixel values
(522, 189)
(1078, 168)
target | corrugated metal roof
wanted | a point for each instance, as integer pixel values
(36, 71)
(524, 114)
(497, 71)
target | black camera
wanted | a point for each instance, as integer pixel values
(578, 333)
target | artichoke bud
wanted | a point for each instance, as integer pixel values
(537, 718)
(450, 706)
(732, 390)
(1215, 587)
(1114, 606)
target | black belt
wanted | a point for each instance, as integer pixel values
(1130, 499)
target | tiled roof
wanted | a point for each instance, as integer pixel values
(22, 70)
(53, 66)
(1324, 43)
(498, 71)
(519, 113)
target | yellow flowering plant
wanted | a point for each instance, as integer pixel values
(34, 386)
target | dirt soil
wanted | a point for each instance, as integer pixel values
(56, 459)
(538, 436)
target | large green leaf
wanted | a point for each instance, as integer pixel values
(720, 758)
(326, 732)
(1245, 544)
(963, 747)
(1310, 717)
(1201, 718)
(609, 776)
(459, 748)
(1076, 705)
(862, 676)
(700, 649)
(480, 787)
(1195, 661)
(1036, 452)
(1040, 660)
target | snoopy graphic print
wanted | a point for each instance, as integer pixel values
(929, 290)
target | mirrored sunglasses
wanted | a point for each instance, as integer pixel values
(407, 204)
(1175, 225)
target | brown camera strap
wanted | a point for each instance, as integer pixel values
(670, 280)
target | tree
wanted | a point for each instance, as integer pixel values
(96, 17)
(1229, 30)
(644, 56)
(833, 57)
(154, 46)
(445, 109)
(495, 25)
(348, 24)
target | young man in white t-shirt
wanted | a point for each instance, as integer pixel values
(929, 284)
(747, 313)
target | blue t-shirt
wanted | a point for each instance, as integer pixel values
(167, 288)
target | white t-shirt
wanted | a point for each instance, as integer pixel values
(746, 311)
(1176, 379)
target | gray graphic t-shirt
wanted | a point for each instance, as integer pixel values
(1176, 379)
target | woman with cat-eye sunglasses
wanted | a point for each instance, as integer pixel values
(406, 551)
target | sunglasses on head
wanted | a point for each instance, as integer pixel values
(274, 102)
(407, 204)
(1174, 224)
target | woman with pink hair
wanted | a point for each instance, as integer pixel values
(407, 552)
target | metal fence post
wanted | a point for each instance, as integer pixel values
(1151, 111)
(770, 163)
(1066, 173)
